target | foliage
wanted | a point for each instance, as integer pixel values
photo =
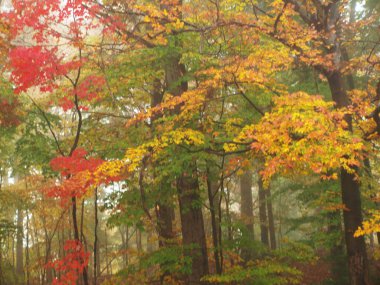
(263, 272)
(74, 262)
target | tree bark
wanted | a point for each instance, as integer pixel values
(212, 193)
(352, 216)
(263, 213)
(96, 246)
(108, 270)
(20, 247)
(76, 234)
(272, 229)
(124, 233)
(1, 262)
(164, 211)
(193, 234)
(246, 211)
(331, 25)
(138, 240)
(27, 250)
(165, 216)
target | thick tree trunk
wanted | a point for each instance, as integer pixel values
(272, 229)
(338, 258)
(263, 213)
(165, 216)
(193, 233)
(20, 247)
(352, 216)
(356, 249)
(164, 211)
(246, 211)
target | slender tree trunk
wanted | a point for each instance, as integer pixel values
(20, 247)
(82, 239)
(49, 270)
(272, 229)
(76, 234)
(227, 200)
(35, 241)
(127, 237)
(138, 240)
(246, 211)
(1, 262)
(263, 213)
(106, 252)
(212, 191)
(96, 247)
(27, 250)
(13, 253)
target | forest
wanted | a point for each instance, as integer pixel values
(189, 142)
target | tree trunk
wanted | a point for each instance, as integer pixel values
(124, 234)
(27, 250)
(164, 211)
(106, 253)
(20, 247)
(1, 262)
(212, 192)
(96, 246)
(356, 249)
(352, 216)
(272, 230)
(246, 211)
(193, 234)
(76, 234)
(337, 254)
(263, 213)
(149, 244)
(138, 240)
(49, 270)
(165, 224)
